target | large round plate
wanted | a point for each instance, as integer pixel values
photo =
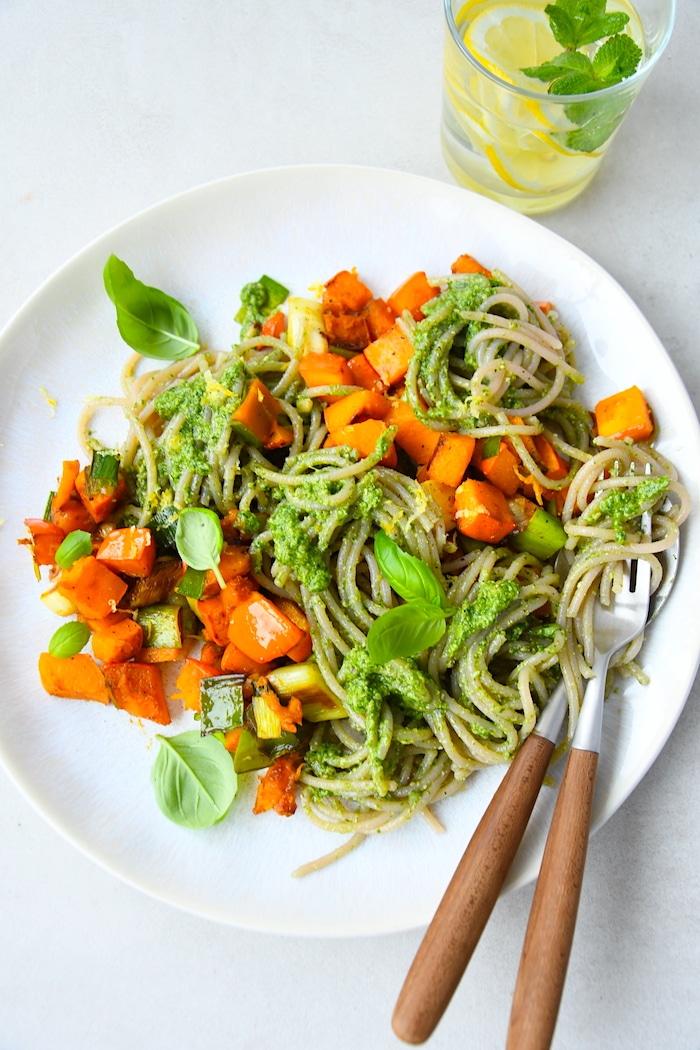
(86, 767)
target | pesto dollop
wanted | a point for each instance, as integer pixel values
(206, 406)
(368, 685)
(492, 599)
(433, 339)
(294, 546)
(623, 505)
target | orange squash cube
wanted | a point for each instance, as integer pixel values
(625, 415)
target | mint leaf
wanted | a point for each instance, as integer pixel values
(616, 59)
(598, 122)
(575, 24)
(578, 22)
(606, 25)
(575, 84)
(590, 8)
(567, 62)
(562, 25)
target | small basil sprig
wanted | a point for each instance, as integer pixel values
(68, 640)
(194, 779)
(199, 540)
(419, 623)
(77, 544)
(149, 321)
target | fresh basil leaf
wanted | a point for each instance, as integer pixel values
(149, 321)
(199, 539)
(410, 577)
(77, 544)
(69, 639)
(406, 630)
(194, 779)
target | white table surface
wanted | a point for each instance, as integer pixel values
(108, 108)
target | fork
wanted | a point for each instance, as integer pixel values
(465, 908)
(471, 895)
(550, 930)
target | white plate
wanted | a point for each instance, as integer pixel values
(86, 767)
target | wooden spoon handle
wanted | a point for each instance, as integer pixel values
(469, 899)
(550, 930)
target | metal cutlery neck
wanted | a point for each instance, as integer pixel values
(589, 728)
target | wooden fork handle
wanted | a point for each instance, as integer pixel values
(550, 930)
(471, 895)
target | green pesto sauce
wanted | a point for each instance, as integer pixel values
(301, 537)
(207, 405)
(483, 732)
(369, 684)
(434, 336)
(493, 598)
(621, 506)
(324, 759)
(296, 547)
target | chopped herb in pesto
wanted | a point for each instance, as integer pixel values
(493, 598)
(368, 686)
(206, 406)
(259, 300)
(433, 339)
(295, 547)
(621, 506)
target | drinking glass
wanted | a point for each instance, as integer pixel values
(502, 134)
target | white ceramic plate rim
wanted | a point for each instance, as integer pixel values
(318, 219)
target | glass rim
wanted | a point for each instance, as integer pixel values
(538, 96)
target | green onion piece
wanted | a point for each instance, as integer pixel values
(490, 446)
(276, 292)
(306, 682)
(249, 755)
(543, 536)
(268, 724)
(47, 509)
(161, 624)
(163, 525)
(192, 583)
(69, 639)
(221, 701)
(77, 544)
(103, 472)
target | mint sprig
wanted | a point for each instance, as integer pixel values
(575, 24)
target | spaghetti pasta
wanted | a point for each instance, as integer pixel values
(487, 363)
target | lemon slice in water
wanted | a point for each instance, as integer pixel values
(505, 37)
(516, 133)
